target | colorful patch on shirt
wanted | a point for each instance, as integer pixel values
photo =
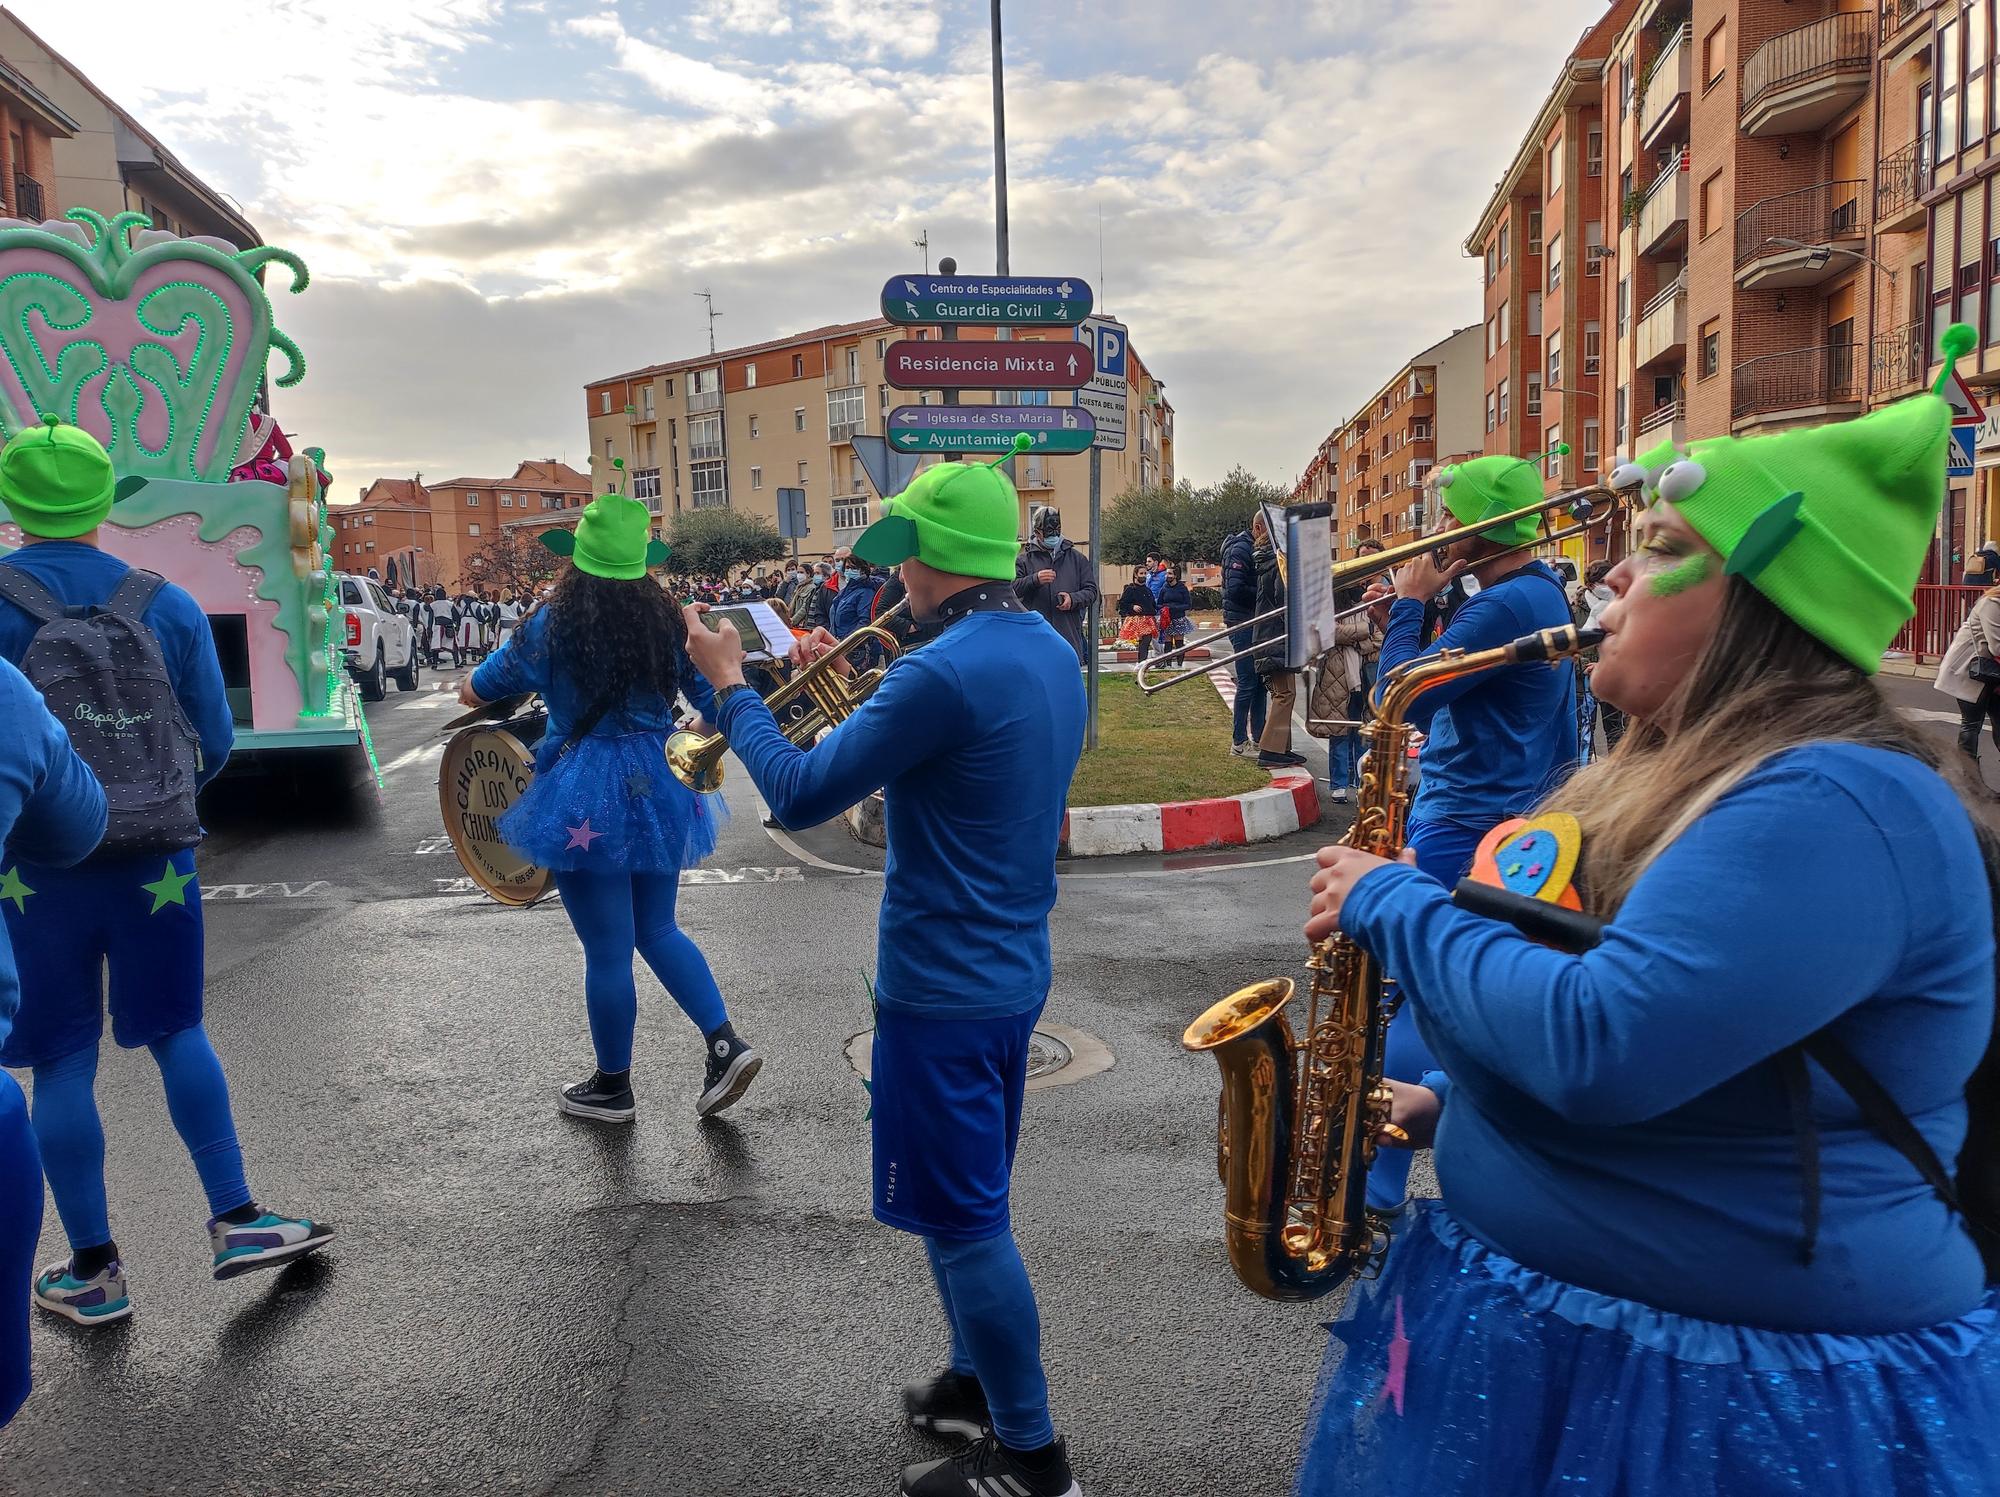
(1535, 857)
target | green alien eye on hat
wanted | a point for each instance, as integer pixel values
(958, 517)
(613, 538)
(1831, 523)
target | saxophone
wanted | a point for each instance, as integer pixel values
(1298, 1123)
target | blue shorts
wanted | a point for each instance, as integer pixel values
(140, 918)
(947, 1113)
(20, 1226)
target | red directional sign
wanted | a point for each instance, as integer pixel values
(911, 365)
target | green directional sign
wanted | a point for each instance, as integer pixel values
(990, 428)
(986, 301)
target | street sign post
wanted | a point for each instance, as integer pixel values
(792, 521)
(989, 428)
(986, 301)
(1105, 396)
(890, 471)
(910, 365)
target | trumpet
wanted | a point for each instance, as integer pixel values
(815, 698)
(1592, 507)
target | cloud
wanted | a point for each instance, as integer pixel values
(876, 28)
(710, 18)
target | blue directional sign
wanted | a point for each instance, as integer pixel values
(1958, 464)
(989, 428)
(986, 301)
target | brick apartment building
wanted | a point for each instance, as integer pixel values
(736, 426)
(431, 534)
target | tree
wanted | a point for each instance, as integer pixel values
(1183, 524)
(513, 560)
(715, 542)
(1136, 525)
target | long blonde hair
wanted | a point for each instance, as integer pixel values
(1761, 686)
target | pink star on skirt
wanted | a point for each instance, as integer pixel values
(581, 836)
(1399, 1363)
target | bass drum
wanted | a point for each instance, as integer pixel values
(487, 765)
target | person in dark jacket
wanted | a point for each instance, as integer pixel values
(1136, 614)
(820, 590)
(1175, 601)
(854, 604)
(1239, 606)
(1056, 580)
(1274, 744)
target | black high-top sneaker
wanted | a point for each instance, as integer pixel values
(951, 1405)
(990, 1469)
(608, 1099)
(732, 1066)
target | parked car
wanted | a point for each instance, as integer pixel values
(380, 641)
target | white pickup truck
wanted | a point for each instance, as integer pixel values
(380, 642)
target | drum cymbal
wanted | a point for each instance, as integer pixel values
(492, 712)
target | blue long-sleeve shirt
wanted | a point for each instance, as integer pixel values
(1615, 1118)
(81, 576)
(526, 663)
(52, 810)
(972, 741)
(1495, 743)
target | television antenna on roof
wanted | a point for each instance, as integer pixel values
(708, 297)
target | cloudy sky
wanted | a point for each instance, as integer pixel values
(501, 199)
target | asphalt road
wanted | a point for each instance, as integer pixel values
(520, 1301)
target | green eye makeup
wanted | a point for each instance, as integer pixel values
(1691, 571)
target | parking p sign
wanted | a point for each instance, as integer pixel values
(1106, 394)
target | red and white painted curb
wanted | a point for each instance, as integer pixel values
(1292, 802)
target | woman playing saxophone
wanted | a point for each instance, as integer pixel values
(1674, 1254)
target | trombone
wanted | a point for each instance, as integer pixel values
(815, 698)
(1584, 504)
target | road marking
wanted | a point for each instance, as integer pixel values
(280, 889)
(689, 876)
(414, 756)
(438, 703)
(432, 845)
(1931, 715)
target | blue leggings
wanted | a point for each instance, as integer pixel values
(1444, 851)
(616, 914)
(20, 1226)
(72, 1135)
(996, 1333)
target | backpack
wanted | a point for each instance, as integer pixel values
(100, 669)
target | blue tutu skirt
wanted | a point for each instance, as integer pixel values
(611, 804)
(1460, 1370)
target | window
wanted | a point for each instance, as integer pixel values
(799, 419)
(756, 478)
(1504, 237)
(1492, 263)
(1624, 306)
(1534, 231)
(1593, 241)
(753, 428)
(1628, 84)
(852, 515)
(369, 518)
(1590, 446)
(1593, 347)
(705, 438)
(881, 348)
(472, 498)
(882, 396)
(1711, 204)
(799, 368)
(645, 486)
(1489, 410)
(1715, 54)
(506, 501)
(1504, 324)
(670, 389)
(1501, 393)
(472, 529)
(1555, 262)
(607, 449)
(1534, 327)
(1493, 335)
(750, 376)
(603, 402)
(1623, 405)
(1555, 177)
(1555, 347)
(1975, 47)
(1947, 88)
(1552, 460)
(1711, 348)
(857, 477)
(1532, 404)
(709, 483)
(802, 475)
(475, 531)
(846, 410)
(646, 400)
(1625, 191)
(1593, 152)
(854, 366)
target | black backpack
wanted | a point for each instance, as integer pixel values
(100, 670)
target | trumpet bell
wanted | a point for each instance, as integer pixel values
(1238, 1014)
(694, 765)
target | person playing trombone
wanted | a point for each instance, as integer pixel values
(1494, 743)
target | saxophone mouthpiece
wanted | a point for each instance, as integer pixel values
(1555, 644)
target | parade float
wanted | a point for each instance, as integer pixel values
(158, 345)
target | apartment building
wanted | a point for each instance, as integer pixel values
(736, 426)
(434, 532)
(69, 145)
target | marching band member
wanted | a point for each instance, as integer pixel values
(607, 655)
(1494, 743)
(1673, 1254)
(973, 740)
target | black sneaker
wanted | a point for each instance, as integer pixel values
(1269, 760)
(951, 1405)
(990, 1469)
(732, 1066)
(599, 1099)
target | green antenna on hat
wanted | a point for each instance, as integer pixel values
(1957, 341)
(1021, 443)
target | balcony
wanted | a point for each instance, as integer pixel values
(1900, 28)
(1414, 474)
(1664, 105)
(703, 400)
(1663, 214)
(1663, 326)
(1901, 180)
(1789, 240)
(1900, 360)
(28, 198)
(640, 415)
(1799, 80)
(1037, 478)
(1802, 384)
(1666, 422)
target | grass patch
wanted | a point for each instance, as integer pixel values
(1170, 747)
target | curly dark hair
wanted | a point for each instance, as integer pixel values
(616, 638)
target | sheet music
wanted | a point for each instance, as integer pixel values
(1308, 585)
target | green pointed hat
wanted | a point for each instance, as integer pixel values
(957, 517)
(1830, 523)
(1488, 486)
(613, 538)
(56, 480)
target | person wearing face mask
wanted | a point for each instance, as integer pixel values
(1057, 580)
(1717, 1192)
(855, 602)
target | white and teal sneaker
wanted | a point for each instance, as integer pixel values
(268, 1242)
(97, 1300)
